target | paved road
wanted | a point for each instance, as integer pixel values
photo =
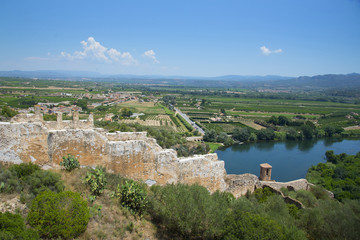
(193, 124)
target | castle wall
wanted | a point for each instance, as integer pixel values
(133, 155)
(30, 139)
(23, 142)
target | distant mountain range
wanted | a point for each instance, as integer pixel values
(84, 74)
(326, 81)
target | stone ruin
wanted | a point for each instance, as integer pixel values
(28, 138)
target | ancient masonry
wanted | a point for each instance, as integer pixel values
(27, 138)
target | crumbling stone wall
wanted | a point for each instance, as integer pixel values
(134, 155)
(30, 139)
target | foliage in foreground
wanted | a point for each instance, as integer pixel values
(29, 180)
(55, 215)
(189, 211)
(12, 226)
(245, 225)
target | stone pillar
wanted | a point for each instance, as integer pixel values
(91, 120)
(59, 120)
(265, 172)
(38, 116)
(76, 119)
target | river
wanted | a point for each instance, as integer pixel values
(290, 160)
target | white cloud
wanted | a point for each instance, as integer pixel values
(125, 58)
(267, 51)
(93, 50)
(151, 54)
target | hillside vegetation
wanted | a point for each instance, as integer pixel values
(101, 205)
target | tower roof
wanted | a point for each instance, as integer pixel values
(265, 165)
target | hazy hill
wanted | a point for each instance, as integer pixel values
(328, 81)
(318, 82)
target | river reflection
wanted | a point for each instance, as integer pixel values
(290, 159)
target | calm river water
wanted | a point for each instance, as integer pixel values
(290, 160)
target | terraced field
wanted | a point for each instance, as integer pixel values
(248, 110)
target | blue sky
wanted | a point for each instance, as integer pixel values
(191, 38)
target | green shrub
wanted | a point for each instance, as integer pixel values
(59, 215)
(70, 162)
(306, 198)
(332, 220)
(96, 179)
(9, 181)
(29, 179)
(24, 169)
(8, 112)
(41, 181)
(133, 196)
(184, 211)
(246, 225)
(12, 227)
(261, 194)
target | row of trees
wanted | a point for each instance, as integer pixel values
(213, 136)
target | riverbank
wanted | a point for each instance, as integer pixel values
(290, 159)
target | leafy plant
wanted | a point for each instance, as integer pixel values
(189, 212)
(24, 169)
(29, 179)
(8, 112)
(133, 196)
(59, 215)
(12, 227)
(246, 225)
(70, 162)
(41, 181)
(96, 179)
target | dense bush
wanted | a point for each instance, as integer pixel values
(9, 181)
(265, 134)
(340, 174)
(8, 112)
(221, 137)
(70, 162)
(96, 179)
(132, 195)
(245, 225)
(24, 169)
(189, 211)
(29, 179)
(292, 134)
(41, 181)
(332, 220)
(12, 227)
(191, 148)
(242, 134)
(59, 215)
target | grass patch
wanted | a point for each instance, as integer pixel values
(214, 146)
